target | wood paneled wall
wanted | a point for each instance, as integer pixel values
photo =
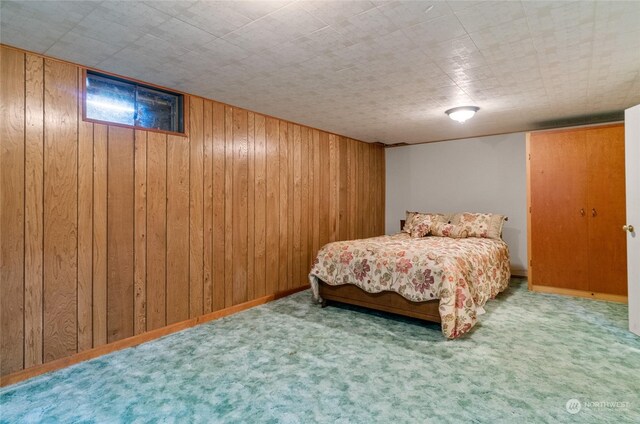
(109, 232)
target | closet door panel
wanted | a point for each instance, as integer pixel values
(606, 203)
(559, 219)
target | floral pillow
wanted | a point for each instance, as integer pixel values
(421, 229)
(420, 223)
(484, 225)
(442, 229)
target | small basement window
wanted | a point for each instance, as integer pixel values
(116, 100)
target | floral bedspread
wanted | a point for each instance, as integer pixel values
(462, 273)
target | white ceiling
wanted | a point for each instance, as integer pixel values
(373, 70)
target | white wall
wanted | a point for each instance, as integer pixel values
(485, 174)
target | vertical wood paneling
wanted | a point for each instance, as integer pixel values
(228, 206)
(283, 204)
(60, 211)
(260, 157)
(381, 190)
(291, 206)
(240, 213)
(120, 213)
(358, 183)
(85, 232)
(12, 157)
(272, 209)
(362, 180)
(219, 199)
(207, 262)
(316, 192)
(109, 232)
(376, 188)
(310, 211)
(251, 206)
(334, 199)
(177, 296)
(364, 158)
(100, 156)
(369, 179)
(304, 208)
(33, 204)
(140, 234)
(297, 205)
(156, 230)
(325, 189)
(352, 145)
(196, 204)
(373, 161)
(343, 189)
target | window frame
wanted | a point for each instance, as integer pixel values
(185, 103)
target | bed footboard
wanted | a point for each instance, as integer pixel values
(384, 301)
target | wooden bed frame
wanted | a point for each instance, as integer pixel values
(383, 301)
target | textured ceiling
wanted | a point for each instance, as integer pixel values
(372, 70)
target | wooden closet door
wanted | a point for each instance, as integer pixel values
(606, 200)
(559, 220)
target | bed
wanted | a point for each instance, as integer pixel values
(437, 278)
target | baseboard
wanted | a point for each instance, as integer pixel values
(580, 293)
(289, 292)
(86, 355)
(519, 272)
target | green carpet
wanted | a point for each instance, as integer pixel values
(291, 362)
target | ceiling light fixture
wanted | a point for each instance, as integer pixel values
(462, 113)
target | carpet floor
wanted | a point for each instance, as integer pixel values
(291, 362)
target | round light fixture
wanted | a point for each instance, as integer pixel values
(462, 113)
